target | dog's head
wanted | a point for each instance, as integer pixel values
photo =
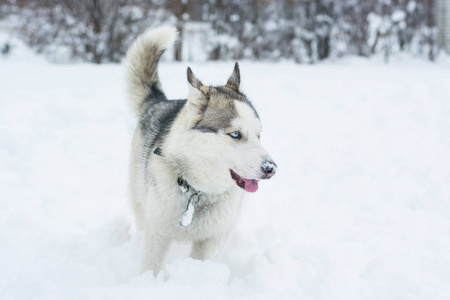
(221, 144)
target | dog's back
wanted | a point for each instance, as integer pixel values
(150, 105)
(144, 87)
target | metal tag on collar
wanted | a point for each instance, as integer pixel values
(188, 214)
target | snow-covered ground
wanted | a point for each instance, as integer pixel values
(359, 209)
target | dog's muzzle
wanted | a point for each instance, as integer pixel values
(268, 168)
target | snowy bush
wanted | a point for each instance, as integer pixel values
(305, 31)
(95, 31)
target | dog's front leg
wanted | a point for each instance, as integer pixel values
(155, 249)
(205, 249)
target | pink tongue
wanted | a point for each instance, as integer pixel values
(251, 185)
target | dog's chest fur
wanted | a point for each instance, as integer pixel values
(165, 204)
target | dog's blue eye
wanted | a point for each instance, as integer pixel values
(235, 134)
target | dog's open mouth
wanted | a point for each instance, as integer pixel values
(250, 185)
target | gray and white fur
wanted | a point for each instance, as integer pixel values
(210, 140)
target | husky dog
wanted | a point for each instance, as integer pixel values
(191, 159)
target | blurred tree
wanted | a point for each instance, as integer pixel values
(302, 30)
(180, 10)
(92, 30)
(431, 26)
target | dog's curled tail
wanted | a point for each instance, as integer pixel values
(142, 61)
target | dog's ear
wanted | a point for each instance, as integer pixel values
(235, 79)
(195, 83)
(198, 93)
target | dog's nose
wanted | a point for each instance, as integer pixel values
(269, 168)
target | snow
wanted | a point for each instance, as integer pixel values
(359, 207)
(18, 50)
(411, 6)
(398, 16)
(268, 164)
